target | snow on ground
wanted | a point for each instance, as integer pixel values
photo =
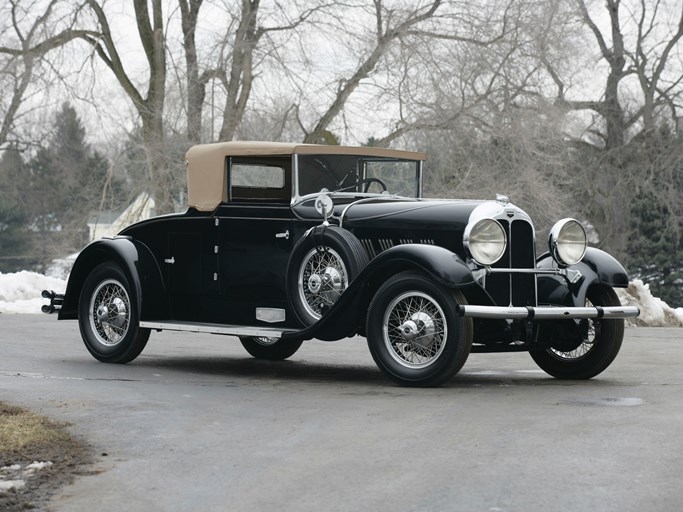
(13, 478)
(20, 293)
(654, 312)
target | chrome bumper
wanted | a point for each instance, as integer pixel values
(547, 312)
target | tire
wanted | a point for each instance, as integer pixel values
(271, 349)
(414, 332)
(108, 316)
(321, 267)
(592, 355)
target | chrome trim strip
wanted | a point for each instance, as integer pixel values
(554, 271)
(547, 312)
(232, 330)
(572, 275)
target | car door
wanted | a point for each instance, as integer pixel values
(255, 241)
(191, 270)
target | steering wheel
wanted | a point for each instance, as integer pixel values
(367, 182)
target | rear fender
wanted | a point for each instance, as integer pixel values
(347, 315)
(136, 261)
(597, 267)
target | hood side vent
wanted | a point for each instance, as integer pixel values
(379, 245)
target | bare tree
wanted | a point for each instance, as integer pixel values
(240, 51)
(148, 103)
(639, 84)
(196, 84)
(31, 30)
(390, 26)
(635, 44)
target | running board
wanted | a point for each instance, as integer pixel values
(232, 330)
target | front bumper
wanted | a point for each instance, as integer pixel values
(547, 312)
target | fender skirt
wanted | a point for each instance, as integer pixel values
(347, 315)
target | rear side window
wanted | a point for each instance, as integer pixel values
(261, 179)
(257, 176)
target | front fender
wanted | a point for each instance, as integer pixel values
(136, 261)
(441, 264)
(347, 315)
(597, 267)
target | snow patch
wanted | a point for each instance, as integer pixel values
(17, 484)
(61, 267)
(654, 312)
(20, 291)
(7, 485)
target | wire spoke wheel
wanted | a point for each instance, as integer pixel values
(109, 312)
(323, 263)
(584, 347)
(414, 329)
(322, 280)
(270, 348)
(108, 316)
(592, 351)
(414, 332)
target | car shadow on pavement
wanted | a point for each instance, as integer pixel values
(243, 370)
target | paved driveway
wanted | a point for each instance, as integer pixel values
(195, 424)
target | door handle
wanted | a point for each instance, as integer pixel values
(284, 235)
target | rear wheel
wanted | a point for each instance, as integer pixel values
(414, 334)
(108, 316)
(272, 349)
(589, 356)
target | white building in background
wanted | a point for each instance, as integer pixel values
(110, 223)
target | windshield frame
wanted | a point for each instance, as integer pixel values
(297, 197)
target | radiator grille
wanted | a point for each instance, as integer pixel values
(515, 289)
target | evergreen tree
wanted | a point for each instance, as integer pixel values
(66, 179)
(15, 239)
(655, 242)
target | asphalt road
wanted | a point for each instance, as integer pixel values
(195, 424)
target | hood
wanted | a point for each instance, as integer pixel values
(380, 213)
(380, 223)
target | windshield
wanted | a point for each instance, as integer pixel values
(357, 174)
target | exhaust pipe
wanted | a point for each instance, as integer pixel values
(56, 301)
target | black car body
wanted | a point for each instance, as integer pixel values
(285, 242)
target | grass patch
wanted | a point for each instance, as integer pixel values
(26, 437)
(22, 433)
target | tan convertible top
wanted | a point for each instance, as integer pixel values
(207, 164)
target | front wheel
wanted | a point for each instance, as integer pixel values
(271, 349)
(414, 334)
(108, 316)
(591, 355)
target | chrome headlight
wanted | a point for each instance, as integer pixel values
(485, 241)
(567, 242)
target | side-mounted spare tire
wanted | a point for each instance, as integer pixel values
(321, 267)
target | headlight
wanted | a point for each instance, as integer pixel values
(485, 241)
(567, 242)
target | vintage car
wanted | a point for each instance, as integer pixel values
(283, 243)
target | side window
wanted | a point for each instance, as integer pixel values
(257, 176)
(260, 179)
